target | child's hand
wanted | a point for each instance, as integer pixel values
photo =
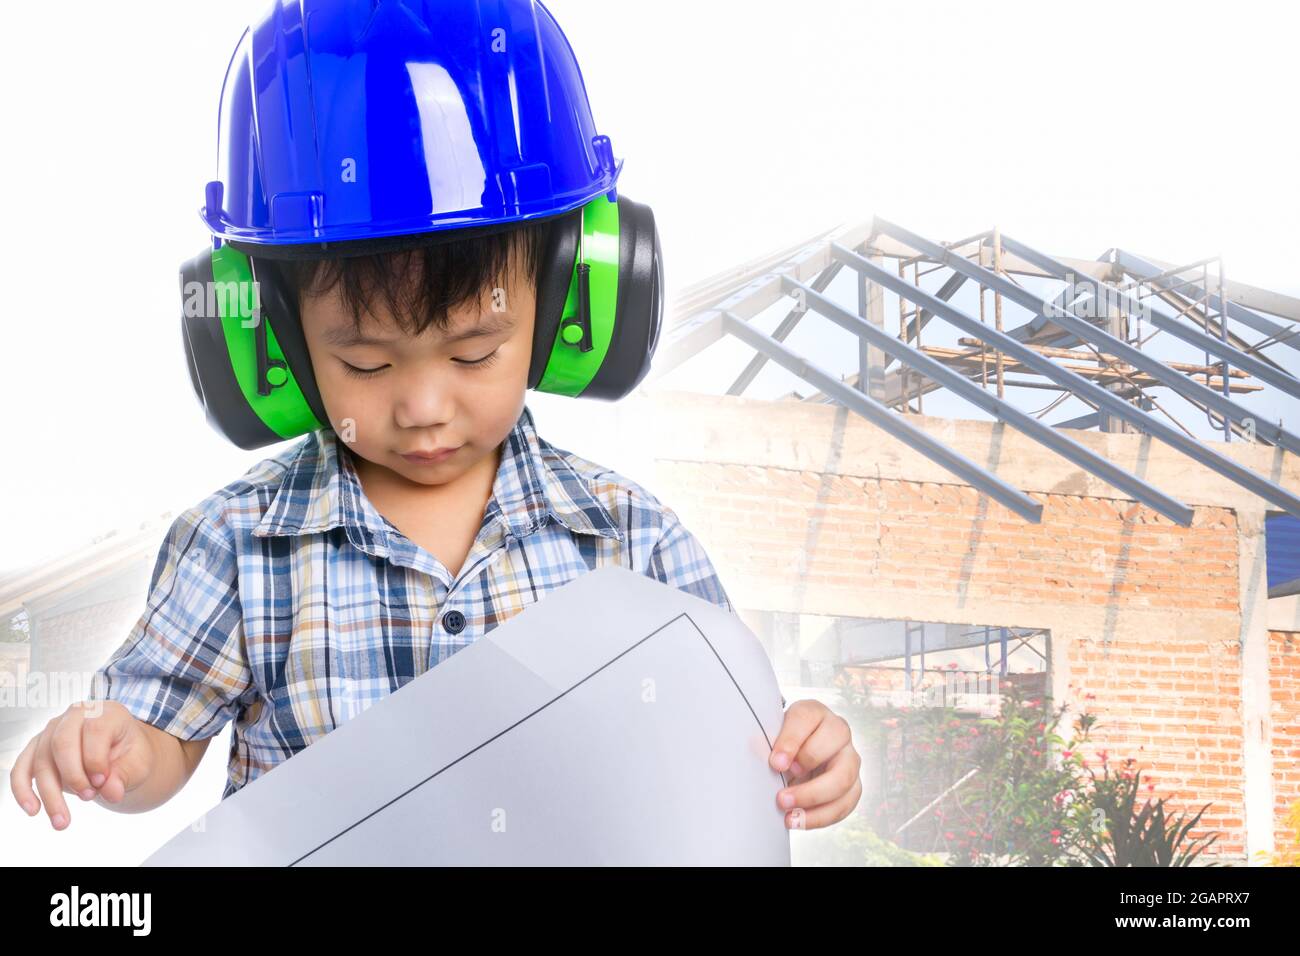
(815, 745)
(93, 749)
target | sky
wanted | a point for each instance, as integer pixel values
(745, 125)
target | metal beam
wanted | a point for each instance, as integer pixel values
(1191, 309)
(1142, 267)
(1186, 386)
(1286, 382)
(946, 292)
(1080, 386)
(1057, 441)
(1106, 342)
(782, 332)
(894, 424)
(1091, 420)
(685, 341)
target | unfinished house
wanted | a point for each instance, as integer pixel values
(939, 469)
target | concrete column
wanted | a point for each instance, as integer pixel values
(1257, 726)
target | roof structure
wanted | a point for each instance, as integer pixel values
(1079, 327)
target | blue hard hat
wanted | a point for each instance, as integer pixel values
(359, 119)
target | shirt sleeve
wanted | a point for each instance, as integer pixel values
(679, 559)
(183, 667)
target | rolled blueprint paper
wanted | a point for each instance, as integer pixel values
(618, 721)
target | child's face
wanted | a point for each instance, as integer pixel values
(426, 394)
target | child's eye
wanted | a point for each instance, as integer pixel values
(362, 372)
(483, 362)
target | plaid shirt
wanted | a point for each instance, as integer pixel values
(286, 601)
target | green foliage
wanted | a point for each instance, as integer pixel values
(1133, 837)
(852, 842)
(988, 792)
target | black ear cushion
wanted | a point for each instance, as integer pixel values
(280, 309)
(640, 305)
(554, 275)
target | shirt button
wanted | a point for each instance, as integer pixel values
(454, 621)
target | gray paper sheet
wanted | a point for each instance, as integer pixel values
(618, 721)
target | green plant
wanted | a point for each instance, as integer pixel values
(984, 790)
(1287, 855)
(1133, 837)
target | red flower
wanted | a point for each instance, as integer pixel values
(1056, 833)
(948, 835)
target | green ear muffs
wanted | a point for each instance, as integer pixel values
(599, 312)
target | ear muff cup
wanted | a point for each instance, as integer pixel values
(640, 305)
(639, 309)
(209, 359)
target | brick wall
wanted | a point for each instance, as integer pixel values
(1144, 614)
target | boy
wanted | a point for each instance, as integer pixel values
(426, 513)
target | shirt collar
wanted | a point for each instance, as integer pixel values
(320, 490)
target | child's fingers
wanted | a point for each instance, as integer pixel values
(20, 778)
(65, 750)
(114, 788)
(830, 736)
(801, 719)
(98, 735)
(827, 813)
(836, 779)
(49, 786)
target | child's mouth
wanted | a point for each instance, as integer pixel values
(434, 458)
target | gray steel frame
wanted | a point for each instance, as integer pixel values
(821, 266)
(1058, 441)
(896, 425)
(1137, 266)
(1097, 396)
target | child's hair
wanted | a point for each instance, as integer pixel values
(419, 285)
